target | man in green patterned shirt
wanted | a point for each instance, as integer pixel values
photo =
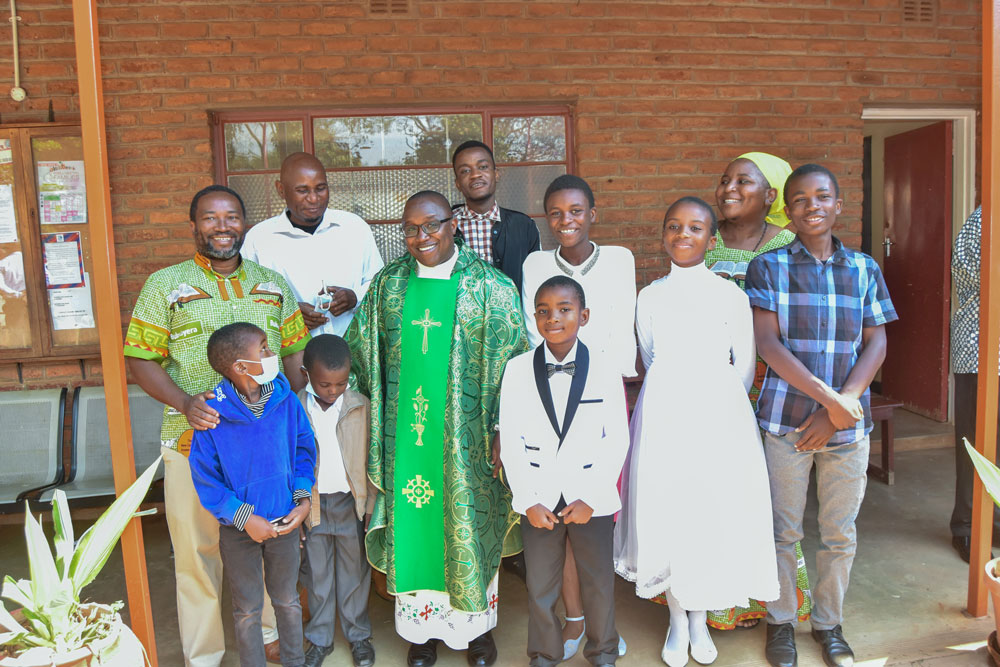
(177, 310)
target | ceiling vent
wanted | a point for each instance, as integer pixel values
(919, 12)
(388, 7)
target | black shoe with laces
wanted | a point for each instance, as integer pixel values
(422, 655)
(363, 653)
(780, 648)
(482, 651)
(836, 652)
(316, 655)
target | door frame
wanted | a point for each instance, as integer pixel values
(963, 186)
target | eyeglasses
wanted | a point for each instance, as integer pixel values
(410, 231)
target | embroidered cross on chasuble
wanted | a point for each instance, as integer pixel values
(418, 516)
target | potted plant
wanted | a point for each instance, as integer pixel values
(51, 626)
(990, 476)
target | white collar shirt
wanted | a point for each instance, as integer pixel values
(560, 382)
(332, 475)
(341, 252)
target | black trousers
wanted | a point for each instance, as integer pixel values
(965, 427)
(544, 555)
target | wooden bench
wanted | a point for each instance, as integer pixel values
(882, 409)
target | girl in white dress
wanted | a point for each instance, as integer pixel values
(695, 445)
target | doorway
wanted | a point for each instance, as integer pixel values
(919, 188)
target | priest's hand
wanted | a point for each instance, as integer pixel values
(343, 300)
(199, 415)
(495, 457)
(259, 528)
(540, 517)
(816, 431)
(293, 519)
(313, 318)
(577, 512)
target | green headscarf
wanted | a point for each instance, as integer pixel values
(776, 171)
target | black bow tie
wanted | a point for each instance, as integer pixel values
(568, 369)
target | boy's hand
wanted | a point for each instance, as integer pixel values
(293, 519)
(495, 457)
(577, 512)
(199, 415)
(816, 431)
(259, 528)
(540, 517)
(844, 411)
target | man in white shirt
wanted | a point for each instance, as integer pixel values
(327, 256)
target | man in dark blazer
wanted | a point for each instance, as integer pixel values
(499, 236)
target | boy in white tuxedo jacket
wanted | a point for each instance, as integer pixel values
(564, 437)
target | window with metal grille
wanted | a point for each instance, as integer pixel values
(376, 159)
(919, 11)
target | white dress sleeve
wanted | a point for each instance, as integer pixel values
(372, 264)
(644, 327)
(529, 284)
(624, 316)
(739, 319)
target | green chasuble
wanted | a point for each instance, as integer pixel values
(475, 522)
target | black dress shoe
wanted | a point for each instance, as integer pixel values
(963, 545)
(316, 655)
(482, 651)
(422, 655)
(836, 652)
(780, 647)
(363, 653)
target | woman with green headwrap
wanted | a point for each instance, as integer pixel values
(752, 221)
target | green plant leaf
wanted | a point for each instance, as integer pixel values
(18, 592)
(44, 578)
(63, 532)
(9, 622)
(97, 543)
(988, 472)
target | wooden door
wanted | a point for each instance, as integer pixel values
(918, 200)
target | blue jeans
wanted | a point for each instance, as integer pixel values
(841, 478)
(242, 563)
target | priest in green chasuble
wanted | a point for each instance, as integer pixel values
(429, 344)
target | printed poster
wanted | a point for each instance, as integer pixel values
(8, 220)
(63, 255)
(62, 192)
(71, 307)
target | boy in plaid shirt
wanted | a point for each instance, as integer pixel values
(820, 311)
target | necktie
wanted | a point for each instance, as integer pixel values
(568, 369)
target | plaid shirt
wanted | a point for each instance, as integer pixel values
(822, 308)
(478, 230)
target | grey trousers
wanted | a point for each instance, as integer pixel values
(339, 577)
(242, 563)
(965, 427)
(841, 478)
(544, 555)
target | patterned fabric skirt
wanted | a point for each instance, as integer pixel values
(425, 615)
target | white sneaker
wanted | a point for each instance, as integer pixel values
(622, 646)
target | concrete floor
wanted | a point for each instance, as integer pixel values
(904, 607)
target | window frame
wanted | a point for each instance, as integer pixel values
(29, 229)
(488, 112)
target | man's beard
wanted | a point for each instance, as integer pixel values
(204, 246)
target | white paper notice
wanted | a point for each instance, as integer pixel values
(62, 192)
(72, 307)
(8, 221)
(63, 260)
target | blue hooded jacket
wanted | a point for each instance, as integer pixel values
(259, 462)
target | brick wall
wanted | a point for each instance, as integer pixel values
(665, 93)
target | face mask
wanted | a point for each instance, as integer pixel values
(269, 369)
(309, 384)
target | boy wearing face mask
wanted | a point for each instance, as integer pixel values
(338, 576)
(253, 472)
